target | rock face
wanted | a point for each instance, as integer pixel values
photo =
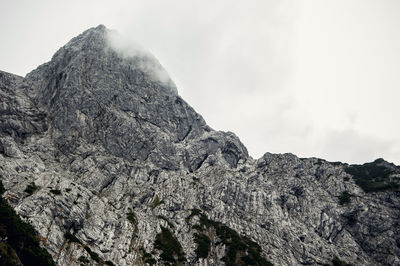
(120, 163)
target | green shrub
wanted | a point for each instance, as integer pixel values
(31, 188)
(22, 237)
(203, 245)
(83, 259)
(239, 250)
(344, 198)
(8, 255)
(55, 191)
(156, 202)
(2, 189)
(93, 254)
(197, 227)
(171, 249)
(337, 262)
(195, 212)
(71, 238)
(373, 177)
(131, 216)
(107, 262)
(148, 258)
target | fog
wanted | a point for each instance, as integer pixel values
(311, 77)
(130, 49)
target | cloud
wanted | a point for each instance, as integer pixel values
(129, 49)
(284, 75)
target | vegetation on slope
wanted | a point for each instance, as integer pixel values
(344, 198)
(31, 188)
(337, 262)
(171, 249)
(131, 216)
(93, 255)
(375, 176)
(147, 257)
(203, 245)
(19, 237)
(239, 250)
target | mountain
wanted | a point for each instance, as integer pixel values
(100, 154)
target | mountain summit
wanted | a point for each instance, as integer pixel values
(111, 166)
(98, 94)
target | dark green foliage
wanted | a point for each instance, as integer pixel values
(344, 198)
(194, 212)
(131, 216)
(21, 237)
(55, 191)
(8, 255)
(373, 177)
(93, 254)
(2, 189)
(337, 262)
(151, 261)
(351, 218)
(197, 227)
(83, 259)
(156, 202)
(205, 222)
(169, 246)
(239, 250)
(107, 262)
(203, 245)
(31, 188)
(71, 238)
(148, 258)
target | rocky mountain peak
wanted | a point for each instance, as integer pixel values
(90, 39)
(111, 166)
(102, 50)
(95, 90)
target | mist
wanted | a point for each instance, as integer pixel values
(314, 78)
(130, 49)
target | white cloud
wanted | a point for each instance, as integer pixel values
(129, 49)
(283, 75)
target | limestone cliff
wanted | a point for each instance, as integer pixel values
(123, 171)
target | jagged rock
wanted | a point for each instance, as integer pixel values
(116, 154)
(9, 148)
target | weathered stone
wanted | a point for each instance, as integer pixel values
(102, 137)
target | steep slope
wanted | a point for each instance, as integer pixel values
(112, 166)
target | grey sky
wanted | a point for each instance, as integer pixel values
(312, 77)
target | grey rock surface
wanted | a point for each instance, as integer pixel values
(101, 136)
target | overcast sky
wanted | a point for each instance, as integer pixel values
(315, 78)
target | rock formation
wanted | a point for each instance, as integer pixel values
(111, 166)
